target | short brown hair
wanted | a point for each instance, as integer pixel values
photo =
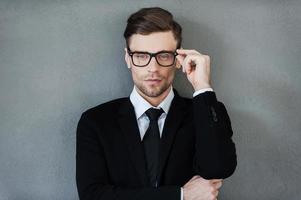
(149, 20)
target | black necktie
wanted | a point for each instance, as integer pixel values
(151, 141)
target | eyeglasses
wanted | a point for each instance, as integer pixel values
(163, 58)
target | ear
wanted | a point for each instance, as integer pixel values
(127, 58)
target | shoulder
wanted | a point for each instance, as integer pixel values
(104, 110)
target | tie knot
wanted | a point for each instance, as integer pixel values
(153, 114)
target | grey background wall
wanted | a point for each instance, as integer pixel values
(58, 58)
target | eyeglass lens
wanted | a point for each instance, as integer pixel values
(163, 59)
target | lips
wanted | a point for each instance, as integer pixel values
(153, 81)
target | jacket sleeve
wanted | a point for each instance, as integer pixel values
(92, 175)
(215, 155)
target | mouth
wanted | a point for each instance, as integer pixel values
(153, 81)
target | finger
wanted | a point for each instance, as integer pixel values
(184, 64)
(216, 180)
(181, 60)
(215, 193)
(218, 185)
(189, 63)
(187, 51)
(187, 68)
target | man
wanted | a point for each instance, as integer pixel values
(156, 144)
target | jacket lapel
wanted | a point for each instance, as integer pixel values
(128, 124)
(172, 122)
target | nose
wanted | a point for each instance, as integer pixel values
(153, 65)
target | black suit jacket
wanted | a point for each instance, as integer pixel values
(110, 162)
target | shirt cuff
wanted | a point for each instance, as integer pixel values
(202, 91)
(182, 194)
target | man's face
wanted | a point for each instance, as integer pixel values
(152, 80)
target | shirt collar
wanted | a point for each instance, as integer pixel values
(141, 105)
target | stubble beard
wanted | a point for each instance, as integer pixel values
(154, 91)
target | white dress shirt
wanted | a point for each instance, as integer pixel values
(141, 105)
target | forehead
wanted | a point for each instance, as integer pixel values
(153, 42)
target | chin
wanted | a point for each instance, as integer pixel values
(153, 91)
(154, 94)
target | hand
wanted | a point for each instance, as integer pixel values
(198, 188)
(196, 66)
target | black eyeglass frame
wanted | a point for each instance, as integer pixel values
(151, 56)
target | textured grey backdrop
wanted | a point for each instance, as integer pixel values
(60, 57)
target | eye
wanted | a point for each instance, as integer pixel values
(141, 56)
(165, 56)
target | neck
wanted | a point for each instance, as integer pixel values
(155, 101)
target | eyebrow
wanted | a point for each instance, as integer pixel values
(162, 51)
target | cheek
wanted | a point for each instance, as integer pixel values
(137, 75)
(169, 75)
